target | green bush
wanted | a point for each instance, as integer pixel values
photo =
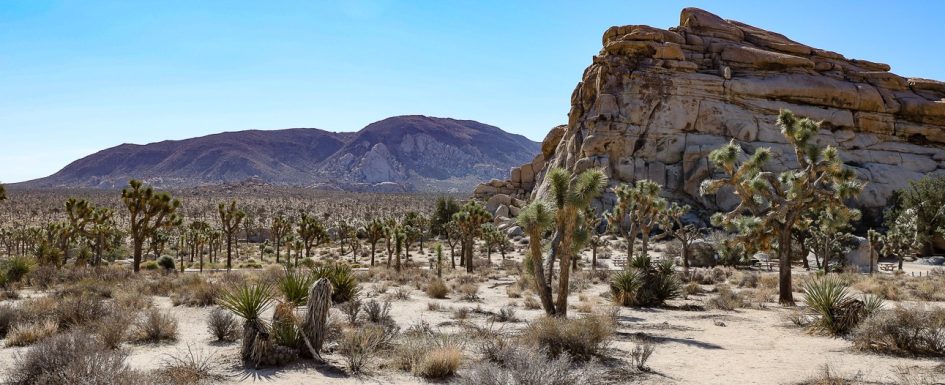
(167, 263)
(344, 283)
(644, 284)
(295, 286)
(838, 312)
(149, 265)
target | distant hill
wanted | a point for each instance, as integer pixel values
(402, 153)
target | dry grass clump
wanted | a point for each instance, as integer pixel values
(903, 331)
(437, 289)
(400, 294)
(26, 334)
(427, 353)
(692, 288)
(531, 303)
(580, 338)
(72, 358)
(531, 366)
(194, 290)
(377, 313)
(8, 317)
(190, 367)
(154, 326)
(468, 292)
(223, 325)
(359, 345)
(726, 299)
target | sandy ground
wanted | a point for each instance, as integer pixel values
(746, 346)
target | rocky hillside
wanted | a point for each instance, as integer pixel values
(654, 102)
(404, 153)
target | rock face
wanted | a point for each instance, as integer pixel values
(402, 153)
(655, 102)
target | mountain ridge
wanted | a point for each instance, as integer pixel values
(400, 153)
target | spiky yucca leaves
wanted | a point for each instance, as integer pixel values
(148, 211)
(838, 312)
(294, 285)
(645, 284)
(624, 285)
(248, 301)
(536, 218)
(771, 204)
(344, 284)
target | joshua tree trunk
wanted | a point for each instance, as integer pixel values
(785, 293)
(685, 258)
(229, 252)
(373, 247)
(543, 288)
(469, 255)
(136, 259)
(561, 305)
(313, 328)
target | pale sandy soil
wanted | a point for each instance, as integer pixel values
(747, 346)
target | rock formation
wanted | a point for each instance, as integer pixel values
(655, 102)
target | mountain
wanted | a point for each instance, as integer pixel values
(402, 153)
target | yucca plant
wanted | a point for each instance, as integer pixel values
(248, 302)
(837, 311)
(343, 282)
(624, 285)
(295, 285)
(644, 284)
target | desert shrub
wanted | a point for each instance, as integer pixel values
(37, 309)
(25, 334)
(427, 353)
(166, 262)
(531, 303)
(80, 310)
(16, 268)
(726, 299)
(437, 289)
(580, 338)
(190, 367)
(505, 314)
(903, 331)
(749, 279)
(154, 326)
(87, 287)
(836, 309)
(112, 330)
(401, 294)
(246, 300)
(644, 284)
(132, 300)
(351, 310)
(692, 288)
(344, 283)
(377, 313)
(223, 325)
(531, 366)
(72, 358)
(8, 316)
(359, 345)
(441, 362)
(468, 291)
(295, 286)
(149, 265)
(640, 355)
(194, 290)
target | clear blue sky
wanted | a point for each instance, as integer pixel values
(80, 76)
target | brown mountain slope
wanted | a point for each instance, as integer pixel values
(406, 152)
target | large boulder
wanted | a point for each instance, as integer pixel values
(859, 256)
(654, 102)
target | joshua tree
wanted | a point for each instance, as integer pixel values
(902, 238)
(439, 260)
(149, 211)
(230, 219)
(279, 229)
(770, 203)
(469, 223)
(353, 242)
(400, 236)
(492, 236)
(619, 213)
(374, 232)
(535, 219)
(452, 239)
(591, 222)
(570, 196)
(874, 238)
(643, 205)
(924, 199)
(101, 232)
(198, 232)
(311, 232)
(443, 214)
(79, 215)
(828, 233)
(686, 234)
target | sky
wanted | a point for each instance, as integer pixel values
(77, 77)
